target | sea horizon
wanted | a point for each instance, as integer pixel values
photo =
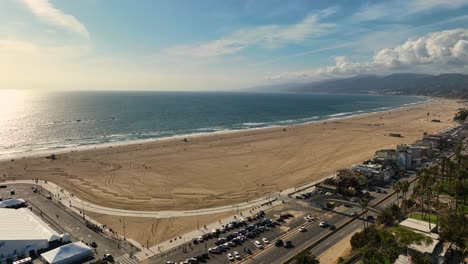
(94, 120)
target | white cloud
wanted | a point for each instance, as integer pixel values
(44, 10)
(267, 36)
(403, 8)
(436, 52)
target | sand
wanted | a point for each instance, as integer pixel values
(152, 231)
(224, 169)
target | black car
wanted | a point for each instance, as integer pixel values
(288, 244)
(248, 250)
(332, 227)
(93, 244)
(279, 243)
(370, 218)
(195, 241)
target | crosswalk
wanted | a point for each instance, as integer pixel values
(127, 260)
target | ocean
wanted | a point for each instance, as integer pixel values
(32, 122)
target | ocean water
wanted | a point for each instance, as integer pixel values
(36, 122)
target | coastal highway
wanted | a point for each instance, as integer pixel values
(314, 233)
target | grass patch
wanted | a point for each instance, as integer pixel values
(428, 217)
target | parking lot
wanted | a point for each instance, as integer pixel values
(63, 220)
(237, 244)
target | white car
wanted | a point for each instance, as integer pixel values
(237, 255)
(258, 244)
(200, 239)
(265, 240)
(323, 224)
(230, 257)
(302, 229)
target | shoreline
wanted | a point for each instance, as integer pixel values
(196, 135)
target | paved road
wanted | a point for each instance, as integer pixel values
(300, 240)
(64, 220)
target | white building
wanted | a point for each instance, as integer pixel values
(67, 254)
(23, 233)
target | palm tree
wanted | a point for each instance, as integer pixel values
(364, 202)
(306, 258)
(397, 188)
(404, 186)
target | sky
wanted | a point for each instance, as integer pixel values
(223, 45)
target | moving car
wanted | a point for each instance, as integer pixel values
(279, 243)
(323, 224)
(332, 227)
(288, 244)
(302, 229)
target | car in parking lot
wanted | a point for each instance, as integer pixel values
(237, 255)
(200, 239)
(230, 257)
(248, 251)
(258, 244)
(93, 244)
(265, 240)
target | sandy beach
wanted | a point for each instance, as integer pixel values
(224, 169)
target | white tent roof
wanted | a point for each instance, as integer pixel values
(11, 202)
(22, 224)
(67, 252)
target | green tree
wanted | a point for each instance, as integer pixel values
(365, 199)
(306, 258)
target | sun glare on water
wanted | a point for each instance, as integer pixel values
(11, 102)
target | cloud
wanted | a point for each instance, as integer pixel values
(44, 10)
(267, 36)
(403, 8)
(436, 52)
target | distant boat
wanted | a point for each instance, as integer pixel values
(79, 120)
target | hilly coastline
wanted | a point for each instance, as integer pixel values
(443, 85)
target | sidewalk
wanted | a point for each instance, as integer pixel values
(243, 210)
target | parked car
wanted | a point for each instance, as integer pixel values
(258, 244)
(93, 244)
(237, 255)
(230, 257)
(265, 240)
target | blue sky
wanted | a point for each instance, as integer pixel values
(215, 45)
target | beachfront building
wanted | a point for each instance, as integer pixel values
(377, 173)
(22, 234)
(404, 160)
(386, 155)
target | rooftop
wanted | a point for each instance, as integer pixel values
(65, 252)
(22, 224)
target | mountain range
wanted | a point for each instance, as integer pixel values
(450, 85)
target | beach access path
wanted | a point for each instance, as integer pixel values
(243, 210)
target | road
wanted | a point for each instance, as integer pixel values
(314, 234)
(64, 220)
